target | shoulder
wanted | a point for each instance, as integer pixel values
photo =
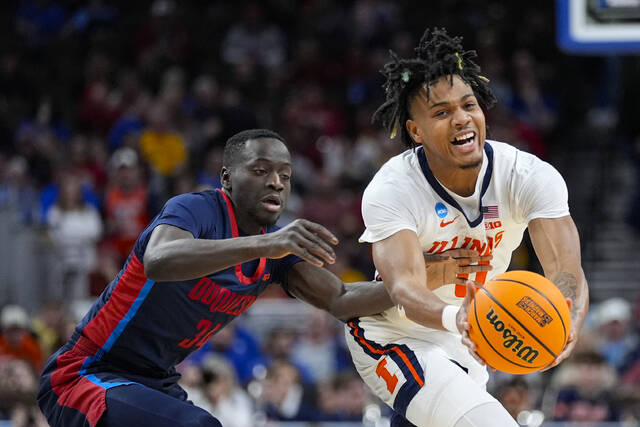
(196, 200)
(396, 176)
(518, 163)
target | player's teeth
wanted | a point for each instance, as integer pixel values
(465, 136)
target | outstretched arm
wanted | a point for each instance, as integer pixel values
(557, 246)
(174, 254)
(400, 261)
(322, 289)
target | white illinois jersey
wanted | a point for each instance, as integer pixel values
(513, 188)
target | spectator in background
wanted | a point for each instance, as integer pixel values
(40, 22)
(75, 228)
(612, 319)
(226, 399)
(126, 202)
(19, 215)
(16, 339)
(284, 396)
(53, 326)
(101, 106)
(584, 389)
(163, 39)
(209, 176)
(161, 146)
(87, 157)
(279, 345)
(254, 40)
(343, 398)
(319, 349)
(514, 396)
(630, 372)
(18, 389)
(236, 345)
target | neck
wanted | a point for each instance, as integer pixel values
(460, 181)
(243, 219)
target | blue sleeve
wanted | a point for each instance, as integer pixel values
(281, 269)
(190, 212)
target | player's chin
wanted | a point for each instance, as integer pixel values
(472, 164)
(269, 218)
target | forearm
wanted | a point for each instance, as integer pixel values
(185, 259)
(420, 304)
(360, 299)
(573, 285)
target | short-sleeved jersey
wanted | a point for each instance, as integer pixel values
(147, 327)
(513, 188)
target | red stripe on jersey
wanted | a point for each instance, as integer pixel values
(75, 391)
(234, 233)
(124, 294)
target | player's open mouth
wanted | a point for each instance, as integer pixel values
(272, 203)
(465, 141)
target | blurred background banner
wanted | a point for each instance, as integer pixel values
(598, 27)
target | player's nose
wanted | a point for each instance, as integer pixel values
(275, 182)
(460, 118)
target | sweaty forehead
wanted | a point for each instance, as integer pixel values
(443, 90)
(269, 149)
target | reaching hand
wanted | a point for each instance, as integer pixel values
(571, 342)
(463, 322)
(306, 239)
(443, 268)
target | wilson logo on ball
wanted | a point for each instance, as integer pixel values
(511, 340)
(534, 310)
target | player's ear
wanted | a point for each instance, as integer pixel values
(414, 131)
(225, 178)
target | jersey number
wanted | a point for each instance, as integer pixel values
(205, 330)
(383, 372)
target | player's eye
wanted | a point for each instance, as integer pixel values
(260, 171)
(469, 105)
(285, 177)
(441, 113)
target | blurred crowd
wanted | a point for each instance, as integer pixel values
(108, 108)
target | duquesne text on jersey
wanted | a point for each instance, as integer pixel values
(219, 298)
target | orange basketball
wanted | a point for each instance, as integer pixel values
(519, 321)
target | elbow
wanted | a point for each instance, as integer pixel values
(400, 296)
(342, 315)
(152, 266)
(339, 310)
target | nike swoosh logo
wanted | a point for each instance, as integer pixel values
(444, 224)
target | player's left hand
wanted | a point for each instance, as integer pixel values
(571, 343)
(446, 267)
(463, 322)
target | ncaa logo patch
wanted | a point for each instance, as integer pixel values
(441, 210)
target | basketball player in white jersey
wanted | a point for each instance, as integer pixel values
(451, 189)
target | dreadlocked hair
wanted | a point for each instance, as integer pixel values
(437, 55)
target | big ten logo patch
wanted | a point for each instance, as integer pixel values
(492, 225)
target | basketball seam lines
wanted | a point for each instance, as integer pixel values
(564, 328)
(475, 309)
(518, 322)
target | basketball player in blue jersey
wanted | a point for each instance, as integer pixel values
(199, 264)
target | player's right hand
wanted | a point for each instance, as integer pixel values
(462, 319)
(308, 240)
(445, 267)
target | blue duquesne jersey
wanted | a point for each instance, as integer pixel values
(148, 327)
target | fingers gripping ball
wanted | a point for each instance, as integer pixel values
(519, 322)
